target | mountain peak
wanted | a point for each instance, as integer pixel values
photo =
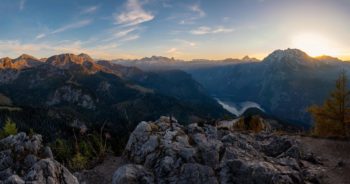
(288, 56)
(247, 58)
(5, 59)
(86, 57)
(25, 57)
(65, 60)
(23, 61)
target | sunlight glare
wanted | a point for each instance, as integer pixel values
(313, 44)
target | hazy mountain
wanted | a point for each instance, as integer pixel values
(164, 63)
(285, 83)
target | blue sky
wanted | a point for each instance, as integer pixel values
(185, 29)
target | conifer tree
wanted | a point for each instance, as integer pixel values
(333, 117)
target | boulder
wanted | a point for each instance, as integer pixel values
(24, 159)
(166, 152)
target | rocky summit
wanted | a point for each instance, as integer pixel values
(166, 152)
(24, 159)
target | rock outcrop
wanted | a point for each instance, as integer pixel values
(24, 159)
(166, 152)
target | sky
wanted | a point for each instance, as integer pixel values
(184, 29)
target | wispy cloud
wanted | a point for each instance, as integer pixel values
(74, 25)
(172, 50)
(196, 12)
(22, 4)
(89, 10)
(130, 38)
(197, 9)
(185, 42)
(203, 30)
(39, 36)
(124, 32)
(133, 15)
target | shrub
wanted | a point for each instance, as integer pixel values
(9, 128)
(62, 150)
(78, 162)
(255, 124)
(240, 124)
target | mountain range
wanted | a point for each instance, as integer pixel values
(285, 83)
(70, 89)
(64, 91)
(164, 63)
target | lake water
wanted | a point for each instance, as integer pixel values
(238, 108)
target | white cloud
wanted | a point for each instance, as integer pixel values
(133, 15)
(74, 25)
(22, 4)
(203, 30)
(88, 10)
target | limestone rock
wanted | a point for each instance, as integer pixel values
(24, 159)
(166, 152)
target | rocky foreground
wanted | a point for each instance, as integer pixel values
(24, 159)
(166, 152)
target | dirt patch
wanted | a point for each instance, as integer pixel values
(335, 156)
(101, 174)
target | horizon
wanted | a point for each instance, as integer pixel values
(185, 30)
(178, 59)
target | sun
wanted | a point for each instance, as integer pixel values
(313, 44)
